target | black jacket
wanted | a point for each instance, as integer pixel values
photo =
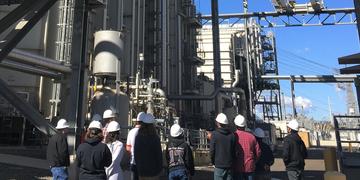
(148, 155)
(92, 158)
(294, 152)
(57, 151)
(179, 155)
(222, 148)
(266, 158)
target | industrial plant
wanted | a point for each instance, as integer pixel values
(74, 59)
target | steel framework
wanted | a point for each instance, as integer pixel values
(341, 16)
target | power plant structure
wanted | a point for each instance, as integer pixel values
(74, 59)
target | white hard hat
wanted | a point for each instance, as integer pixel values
(61, 124)
(240, 121)
(113, 126)
(222, 119)
(140, 116)
(95, 124)
(176, 130)
(108, 114)
(259, 133)
(148, 119)
(96, 117)
(293, 124)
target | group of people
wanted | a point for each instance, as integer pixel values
(102, 154)
(243, 155)
(235, 155)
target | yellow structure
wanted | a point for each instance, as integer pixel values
(334, 175)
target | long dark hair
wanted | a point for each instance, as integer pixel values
(147, 129)
(112, 137)
(94, 133)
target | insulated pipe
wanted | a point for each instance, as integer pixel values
(29, 69)
(28, 58)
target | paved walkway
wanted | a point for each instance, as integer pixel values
(24, 161)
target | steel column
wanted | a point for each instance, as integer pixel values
(75, 88)
(293, 97)
(357, 13)
(26, 109)
(216, 48)
(357, 86)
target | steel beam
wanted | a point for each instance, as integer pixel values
(10, 2)
(30, 20)
(351, 59)
(313, 79)
(350, 70)
(29, 69)
(288, 19)
(26, 109)
(15, 15)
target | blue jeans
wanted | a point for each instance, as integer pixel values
(59, 173)
(179, 174)
(295, 175)
(244, 176)
(222, 174)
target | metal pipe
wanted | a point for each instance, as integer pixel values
(164, 42)
(28, 58)
(29, 69)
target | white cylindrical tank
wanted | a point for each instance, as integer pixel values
(108, 50)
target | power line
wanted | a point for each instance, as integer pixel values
(294, 60)
(305, 59)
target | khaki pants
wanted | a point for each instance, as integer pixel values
(149, 178)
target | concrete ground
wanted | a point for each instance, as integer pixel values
(21, 167)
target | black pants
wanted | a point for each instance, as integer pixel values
(134, 172)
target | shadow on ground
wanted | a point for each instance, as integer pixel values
(8, 172)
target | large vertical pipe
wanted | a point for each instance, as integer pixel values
(216, 48)
(248, 63)
(357, 12)
(164, 42)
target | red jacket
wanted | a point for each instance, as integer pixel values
(247, 152)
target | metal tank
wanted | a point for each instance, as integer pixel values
(108, 50)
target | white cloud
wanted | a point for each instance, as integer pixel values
(300, 102)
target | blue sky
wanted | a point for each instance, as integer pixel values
(321, 44)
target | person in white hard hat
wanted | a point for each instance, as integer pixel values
(58, 152)
(108, 116)
(92, 155)
(179, 155)
(262, 171)
(114, 171)
(222, 149)
(294, 152)
(247, 152)
(130, 144)
(147, 150)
